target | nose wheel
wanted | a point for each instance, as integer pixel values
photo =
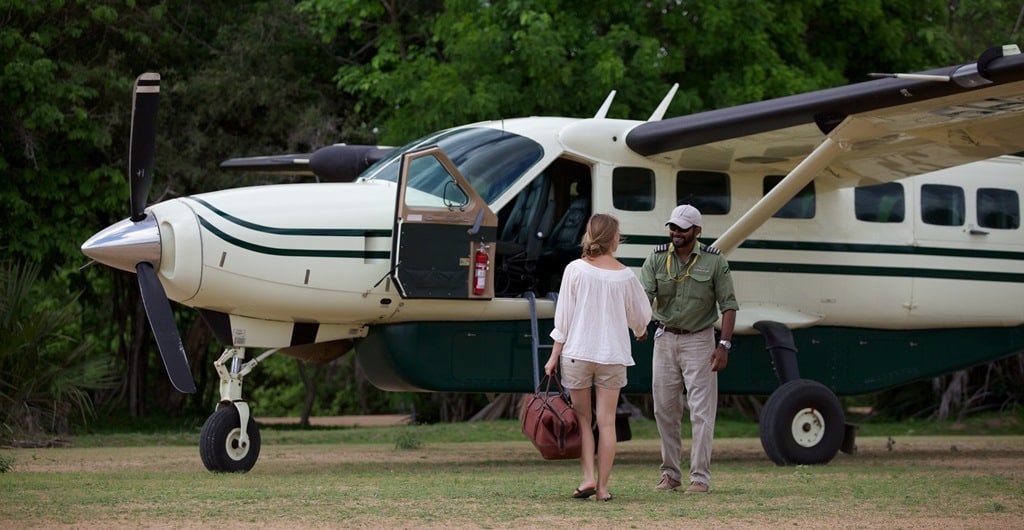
(230, 441)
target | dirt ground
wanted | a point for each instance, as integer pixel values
(996, 458)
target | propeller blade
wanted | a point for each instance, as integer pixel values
(161, 320)
(145, 102)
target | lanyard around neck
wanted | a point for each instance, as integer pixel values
(668, 266)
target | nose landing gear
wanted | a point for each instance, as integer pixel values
(229, 441)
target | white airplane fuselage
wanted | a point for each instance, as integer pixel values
(318, 253)
(274, 258)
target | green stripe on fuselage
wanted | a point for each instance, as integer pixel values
(853, 270)
(273, 251)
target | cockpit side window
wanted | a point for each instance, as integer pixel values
(490, 159)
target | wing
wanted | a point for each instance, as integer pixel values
(885, 129)
(894, 127)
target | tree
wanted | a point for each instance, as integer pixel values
(487, 60)
(249, 78)
(47, 369)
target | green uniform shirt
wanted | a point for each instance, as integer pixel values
(687, 293)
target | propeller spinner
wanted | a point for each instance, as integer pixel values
(134, 243)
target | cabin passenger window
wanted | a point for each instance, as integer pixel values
(998, 208)
(799, 207)
(708, 191)
(880, 203)
(633, 189)
(942, 205)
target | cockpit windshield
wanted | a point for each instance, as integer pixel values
(490, 159)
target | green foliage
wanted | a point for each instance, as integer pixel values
(48, 370)
(280, 390)
(291, 76)
(6, 463)
(408, 439)
(506, 59)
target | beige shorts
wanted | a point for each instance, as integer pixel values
(577, 374)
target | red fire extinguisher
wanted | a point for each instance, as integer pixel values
(480, 270)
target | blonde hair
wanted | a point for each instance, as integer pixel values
(602, 232)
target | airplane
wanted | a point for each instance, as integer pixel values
(873, 231)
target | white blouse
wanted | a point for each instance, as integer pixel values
(595, 309)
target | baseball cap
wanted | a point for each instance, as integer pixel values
(684, 216)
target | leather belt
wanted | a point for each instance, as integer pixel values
(680, 331)
(677, 331)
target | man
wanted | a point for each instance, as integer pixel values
(688, 281)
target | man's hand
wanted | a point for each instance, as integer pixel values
(719, 358)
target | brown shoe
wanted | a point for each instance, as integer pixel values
(667, 484)
(697, 487)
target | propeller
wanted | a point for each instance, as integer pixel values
(146, 99)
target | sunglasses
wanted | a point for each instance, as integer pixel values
(675, 228)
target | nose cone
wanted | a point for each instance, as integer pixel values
(124, 244)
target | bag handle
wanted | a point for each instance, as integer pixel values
(546, 381)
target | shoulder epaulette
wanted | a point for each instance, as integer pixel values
(661, 248)
(709, 249)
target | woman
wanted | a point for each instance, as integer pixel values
(599, 301)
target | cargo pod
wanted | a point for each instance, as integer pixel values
(444, 232)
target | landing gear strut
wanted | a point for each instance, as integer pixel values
(803, 421)
(229, 441)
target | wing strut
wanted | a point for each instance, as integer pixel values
(795, 181)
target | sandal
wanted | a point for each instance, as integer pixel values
(585, 493)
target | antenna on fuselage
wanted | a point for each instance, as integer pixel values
(663, 106)
(602, 112)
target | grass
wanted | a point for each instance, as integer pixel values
(486, 475)
(185, 432)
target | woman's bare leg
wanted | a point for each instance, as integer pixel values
(607, 402)
(581, 404)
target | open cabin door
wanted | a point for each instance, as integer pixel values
(444, 235)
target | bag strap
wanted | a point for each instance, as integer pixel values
(546, 381)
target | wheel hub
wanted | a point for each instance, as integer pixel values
(808, 427)
(235, 447)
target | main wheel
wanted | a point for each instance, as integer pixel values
(802, 423)
(220, 442)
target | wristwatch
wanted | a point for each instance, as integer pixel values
(727, 344)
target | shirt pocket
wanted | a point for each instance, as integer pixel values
(666, 291)
(700, 293)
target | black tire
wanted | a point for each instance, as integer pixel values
(802, 423)
(219, 446)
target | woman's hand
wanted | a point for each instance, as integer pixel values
(551, 366)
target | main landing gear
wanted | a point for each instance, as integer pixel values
(803, 421)
(230, 440)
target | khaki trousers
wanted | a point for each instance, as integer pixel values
(682, 370)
